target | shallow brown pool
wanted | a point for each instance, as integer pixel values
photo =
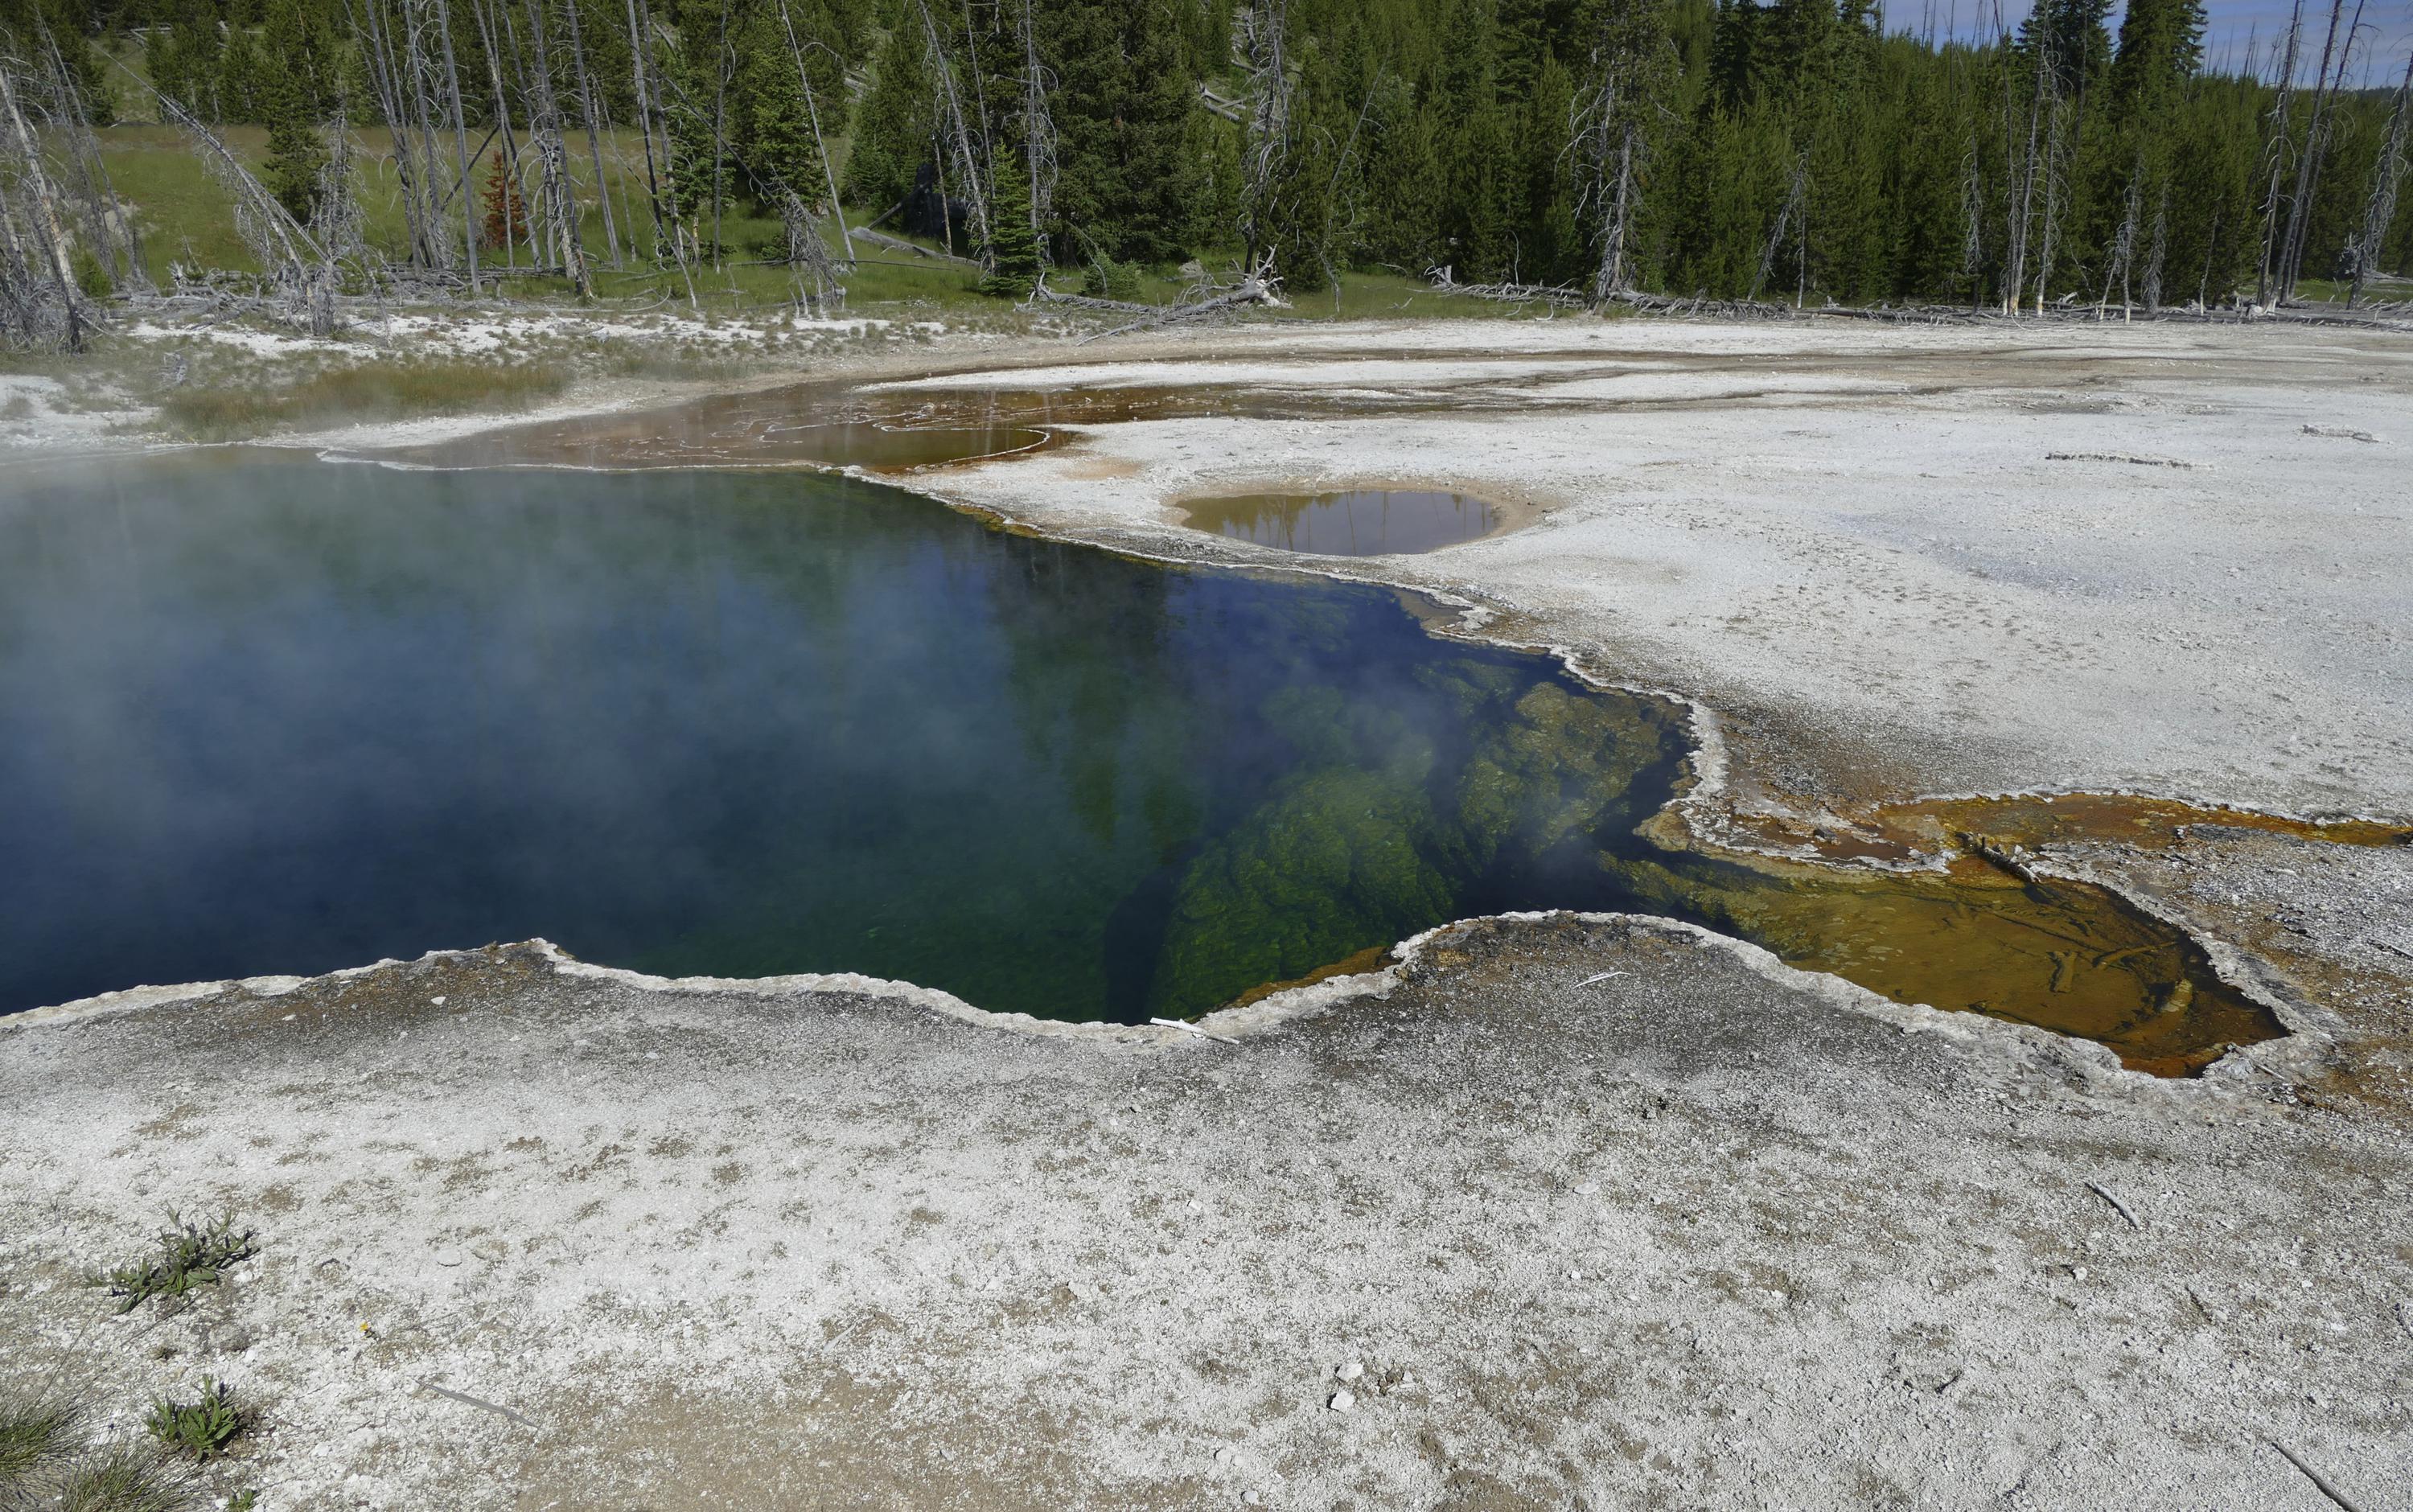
(1356, 522)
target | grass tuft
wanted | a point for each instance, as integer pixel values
(371, 391)
(35, 1432)
(197, 1430)
(190, 1254)
(123, 1477)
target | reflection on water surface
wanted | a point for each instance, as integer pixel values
(276, 716)
(1357, 521)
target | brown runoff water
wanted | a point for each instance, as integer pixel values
(1357, 521)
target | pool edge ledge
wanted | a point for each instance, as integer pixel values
(2295, 1053)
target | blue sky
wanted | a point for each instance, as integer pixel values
(2388, 28)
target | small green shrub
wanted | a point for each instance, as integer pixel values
(123, 1477)
(189, 1254)
(199, 1431)
(1109, 279)
(91, 278)
(244, 1500)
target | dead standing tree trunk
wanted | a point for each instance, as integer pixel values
(958, 135)
(373, 37)
(982, 129)
(1629, 64)
(651, 116)
(1972, 232)
(46, 259)
(298, 264)
(507, 158)
(460, 142)
(2308, 167)
(2023, 163)
(1259, 34)
(819, 289)
(821, 144)
(1038, 129)
(2387, 177)
(2057, 147)
(1796, 199)
(589, 111)
(555, 202)
(108, 231)
(2159, 250)
(2124, 244)
(2277, 150)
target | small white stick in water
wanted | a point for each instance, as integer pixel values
(1191, 1029)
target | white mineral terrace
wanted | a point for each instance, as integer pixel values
(1565, 1211)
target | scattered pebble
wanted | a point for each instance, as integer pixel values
(1223, 1455)
(1350, 1371)
(1584, 1189)
(1342, 1400)
(438, 1001)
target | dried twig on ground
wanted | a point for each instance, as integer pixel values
(2320, 1481)
(480, 1402)
(2117, 1206)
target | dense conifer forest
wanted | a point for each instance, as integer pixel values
(1794, 152)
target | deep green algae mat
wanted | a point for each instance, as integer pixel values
(265, 714)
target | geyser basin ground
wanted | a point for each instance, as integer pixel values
(273, 716)
(1611, 1214)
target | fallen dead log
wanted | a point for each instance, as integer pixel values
(1042, 294)
(1258, 288)
(899, 244)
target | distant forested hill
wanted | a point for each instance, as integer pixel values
(1785, 152)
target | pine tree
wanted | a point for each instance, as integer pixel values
(2161, 45)
(1402, 179)
(183, 56)
(1734, 53)
(772, 134)
(1126, 182)
(1552, 244)
(1084, 47)
(1485, 202)
(243, 78)
(1014, 243)
(2070, 34)
(896, 125)
(287, 101)
(698, 72)
(1158, 179)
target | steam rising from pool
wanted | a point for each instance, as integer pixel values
(269, 715)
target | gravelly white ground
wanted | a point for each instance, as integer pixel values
(1697, 1232)
(1611, 1214)
(1856, 539)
